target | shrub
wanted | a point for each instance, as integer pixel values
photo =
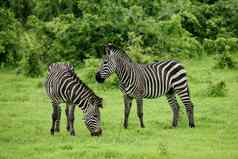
(225, 61)
(217, 89)
(90, 67)
(209, 46)
(221, 45)
(135, 50)
(9, 32)
(177, 40)
(30, 63)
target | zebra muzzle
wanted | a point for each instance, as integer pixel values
(98, 132)
(99, 79)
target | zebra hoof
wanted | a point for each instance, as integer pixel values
(125, 126)
(72, 133)
(142, 126)
(52, 131)
(174, 125)
(192, 125)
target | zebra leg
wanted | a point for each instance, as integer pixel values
(67, 116)
(184, 95)
(54, 117)
(127, 104)
(174, 106)
(57, 126)
(71, 119)
(139, 102)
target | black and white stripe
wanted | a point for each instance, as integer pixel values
(147, 81)
(63, 86)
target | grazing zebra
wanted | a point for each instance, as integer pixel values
(63, 86)
(147, 81)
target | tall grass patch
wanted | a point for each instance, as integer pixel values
(216, 89)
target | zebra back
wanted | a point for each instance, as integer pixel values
(63, 85)
(142, 80)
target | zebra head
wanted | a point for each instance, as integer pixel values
(93, 117)
(108, 65)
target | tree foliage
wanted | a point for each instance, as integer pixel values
(8, 37)
(74, 30)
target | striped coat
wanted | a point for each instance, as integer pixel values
(63, 86)
(147, 81)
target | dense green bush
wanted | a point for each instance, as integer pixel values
(135, 50)
(90, 67)
(74, 30)
(9, 34)
(30, 63)
(225, 60)
(221, 45)
(217, 89)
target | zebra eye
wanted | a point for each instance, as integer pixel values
(105, 62)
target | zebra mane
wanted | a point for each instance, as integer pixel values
(60, 67)
(118, 51)
(95, 99)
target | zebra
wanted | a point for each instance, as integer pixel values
(64, 86)
(147, 81)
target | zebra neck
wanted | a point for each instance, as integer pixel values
(89, 102)
(125, 73)
(83, 97)
(85, 105)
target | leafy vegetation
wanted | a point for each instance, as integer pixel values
(75, 30)
(225, 60)
(217, 90)
(203, 34)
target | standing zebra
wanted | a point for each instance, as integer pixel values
(147, 81)
(63, 86)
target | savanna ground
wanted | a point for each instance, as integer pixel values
(25, 119)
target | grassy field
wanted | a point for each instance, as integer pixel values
(25, 119)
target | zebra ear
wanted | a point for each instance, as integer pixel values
(107, 48)
(49, 67)
(71, 67)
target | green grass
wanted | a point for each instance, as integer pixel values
(25, 119)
